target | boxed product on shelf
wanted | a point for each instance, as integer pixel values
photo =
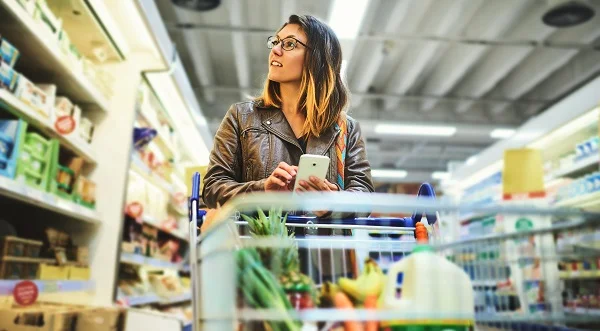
(78, 272)
(53, 272)
(46, 18)
(58, 317)
(33, 166)
(8, 77)
(56, 238)
(33, 96)
(50, 91)
(19, 268)
(62, 107)
(86, 130)
(84, 192)
(12, 134)
(8, 53)
(21, 247)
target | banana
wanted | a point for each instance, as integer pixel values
(370, 282)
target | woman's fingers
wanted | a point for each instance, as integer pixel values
(291, 170)
(332, 187)
(319, 184)
(282, 174)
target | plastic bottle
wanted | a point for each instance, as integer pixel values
(436, 294)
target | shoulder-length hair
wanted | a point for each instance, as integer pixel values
(323, 95)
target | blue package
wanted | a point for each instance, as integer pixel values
(8, 77)
(8, 52)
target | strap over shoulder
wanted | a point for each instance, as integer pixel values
(340, 148)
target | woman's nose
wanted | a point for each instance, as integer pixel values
(277, 49)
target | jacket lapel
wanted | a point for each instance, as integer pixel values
(322, 144)
(275, 122)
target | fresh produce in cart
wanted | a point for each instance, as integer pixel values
(284, 262)
(361, 293)
(261, 290)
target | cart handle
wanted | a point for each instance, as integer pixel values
(426, 191)
(195, 197)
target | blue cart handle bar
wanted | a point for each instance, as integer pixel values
(425, 190)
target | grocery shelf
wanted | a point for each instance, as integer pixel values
(154, 223)
(140, 260)
(138, 166)
(578, 167)
(580, 274)
(20, 109)
(151, 298)
(40, 54)
(486, 283)
(583, 311)
(20, 191)
(466, 218)
(588, 202)
(50, 286)
(139, 300)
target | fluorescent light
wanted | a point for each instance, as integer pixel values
(346, 18)
(388, 173)
(441, 175)
(415, 130)
(502, 133)
(471, 160)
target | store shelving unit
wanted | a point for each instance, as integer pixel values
(93, 25)
(25, 32)
(564, 135)
(151, 263)
(10, 103)
(32, 196)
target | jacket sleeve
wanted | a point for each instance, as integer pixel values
(357, 172)
(223, 179)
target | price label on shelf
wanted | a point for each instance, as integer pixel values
(25, 293)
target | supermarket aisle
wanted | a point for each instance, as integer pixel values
(107, 108)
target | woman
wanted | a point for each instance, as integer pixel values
(301, 110)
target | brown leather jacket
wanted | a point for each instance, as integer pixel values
(251, 142)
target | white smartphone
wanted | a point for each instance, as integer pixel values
(311, 165)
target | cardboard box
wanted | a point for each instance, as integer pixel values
(79, 273)
(101, 319)
(38, 318)
(52, 272)
(48, 317)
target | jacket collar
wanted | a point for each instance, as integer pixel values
(274, 120)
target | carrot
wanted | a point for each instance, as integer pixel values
(421, 232)
(341, 301)
(371, 304)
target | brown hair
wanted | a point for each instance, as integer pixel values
(323, 94)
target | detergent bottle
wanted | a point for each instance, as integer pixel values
(436, 295)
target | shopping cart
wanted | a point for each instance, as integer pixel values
(538, 272)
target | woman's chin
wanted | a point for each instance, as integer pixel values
(274, 77)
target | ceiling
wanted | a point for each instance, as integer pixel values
(476, 65)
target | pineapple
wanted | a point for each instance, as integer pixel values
(283, 261)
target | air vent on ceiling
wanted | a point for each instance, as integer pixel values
(568, 14)
(198, 5)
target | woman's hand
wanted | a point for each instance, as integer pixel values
(282, 178)
(317, 185)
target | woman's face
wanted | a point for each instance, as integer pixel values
(286, 66)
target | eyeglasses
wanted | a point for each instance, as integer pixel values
(287, 44)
